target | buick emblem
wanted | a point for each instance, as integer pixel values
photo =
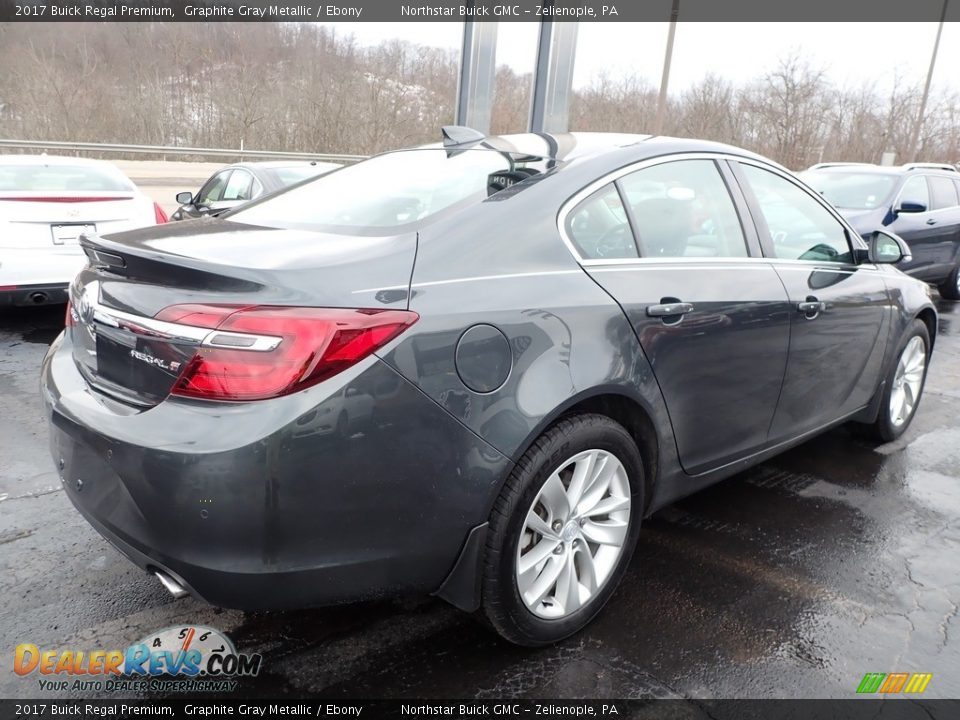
(85, 306)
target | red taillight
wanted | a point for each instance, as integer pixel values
(68, 318)
(261, 352)
(159, 214)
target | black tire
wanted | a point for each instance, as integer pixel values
(949, 288)
(502, 604)
(883, 428)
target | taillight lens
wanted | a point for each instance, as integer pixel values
(68, 318)
(259, 352)
(159, 214)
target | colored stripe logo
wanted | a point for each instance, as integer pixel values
(892, 683)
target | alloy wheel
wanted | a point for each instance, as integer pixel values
(573, 534)
(907, 381)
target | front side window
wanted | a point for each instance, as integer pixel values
(599, 228)
(385, 194)
(683, 209)
(915, 193)
(213, 191)
(800, 227)
(943, 193)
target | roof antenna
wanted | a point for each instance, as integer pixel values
(454, 135)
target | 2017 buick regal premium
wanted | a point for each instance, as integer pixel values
(469, 369)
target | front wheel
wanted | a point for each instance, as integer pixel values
(904, 385)
(563, 530)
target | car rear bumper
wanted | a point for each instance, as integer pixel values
(235, 505)
(40, 267)
(43, 294)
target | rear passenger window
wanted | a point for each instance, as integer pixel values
(943, 192)
(800, 227)
(683, 209)
(599, 228)
(239, 186)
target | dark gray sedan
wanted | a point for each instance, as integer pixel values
(242, 182)
(468, 369)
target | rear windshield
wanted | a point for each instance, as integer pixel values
(56, 178)
(389, 193)
(852, 190)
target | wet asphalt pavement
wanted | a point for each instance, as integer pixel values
(790, 580)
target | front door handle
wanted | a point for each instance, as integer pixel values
(669, 309)
(932, 221)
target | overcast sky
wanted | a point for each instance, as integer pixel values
(852, 54)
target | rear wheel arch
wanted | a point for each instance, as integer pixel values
(622, 409)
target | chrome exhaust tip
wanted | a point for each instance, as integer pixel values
(172, 586)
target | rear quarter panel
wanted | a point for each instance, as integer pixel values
(504, 264)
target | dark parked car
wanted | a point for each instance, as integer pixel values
(919, 202)
(242, 182)
(553, 336)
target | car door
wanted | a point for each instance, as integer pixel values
(665, 239)
(944, 220)
(915, 222)
(839, 309)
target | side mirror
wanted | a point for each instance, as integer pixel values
(888, 248)
(911, 207)
(185, 197)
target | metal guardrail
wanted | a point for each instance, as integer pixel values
(163, 150)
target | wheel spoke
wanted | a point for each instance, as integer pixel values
(535, 555)
(568, 587)
(913, 377)
(610, 504)
(588, 571)
(545, 582)
(554, 498)
(598, 488)
(908, 401)
(538, 525)
(582, 474)
(611, 532)
(915, 363)
(896, 404)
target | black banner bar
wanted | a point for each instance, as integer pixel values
(447, 10)
(915, 708)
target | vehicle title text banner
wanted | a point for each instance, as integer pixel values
(477, 10)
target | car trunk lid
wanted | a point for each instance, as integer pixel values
(38, 219)
(127, 347)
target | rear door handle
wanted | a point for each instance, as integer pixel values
(668, 309)
(931, 221)
(811, 307)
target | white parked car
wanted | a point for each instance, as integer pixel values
(46, 203)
